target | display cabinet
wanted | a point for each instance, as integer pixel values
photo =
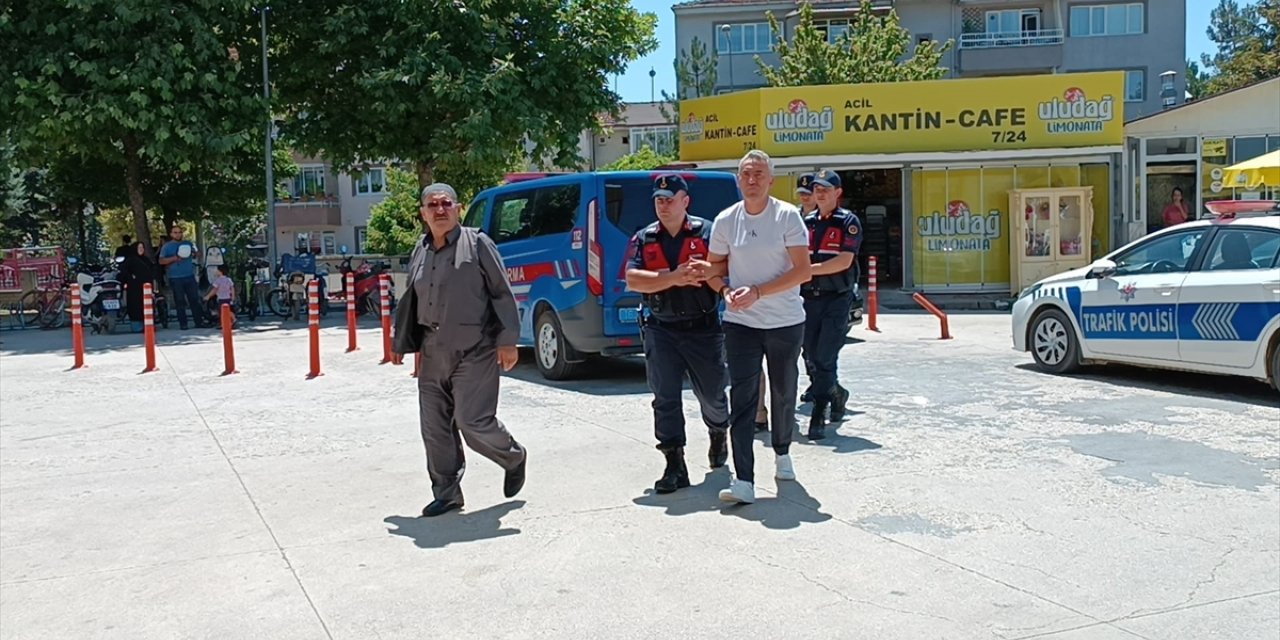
(1051, 231)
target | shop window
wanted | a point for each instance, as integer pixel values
(1135, 89)
(1249, 148)
(1031, 177)
(1170, 146)
(1273, 143)
(960, 233)
(1064, 175)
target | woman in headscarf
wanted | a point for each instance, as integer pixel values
(136, 271)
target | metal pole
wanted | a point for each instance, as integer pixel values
(271, 195)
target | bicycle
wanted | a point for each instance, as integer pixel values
(48, 302)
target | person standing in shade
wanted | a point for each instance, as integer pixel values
(765, 245)
(835, 235)
(681, 327)
(178, 256)
(459, 312)
(136, 272)
(1176, 211)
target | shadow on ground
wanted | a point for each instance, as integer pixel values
(455, 527)
(792, 507)
(1202, 385)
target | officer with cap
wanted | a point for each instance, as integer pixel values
(681, 326)
(835, 235)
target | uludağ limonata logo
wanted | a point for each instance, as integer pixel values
(1074, 112)
(798, 123)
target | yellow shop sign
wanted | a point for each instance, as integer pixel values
(1025, 112)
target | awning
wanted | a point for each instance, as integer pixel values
(1254, 173)
(898, 160)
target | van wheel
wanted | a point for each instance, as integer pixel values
(1053, 343)
(1275, 367)
(551, 350)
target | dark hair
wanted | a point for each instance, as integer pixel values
(126, 238)
(222, 268)
(1177, 190)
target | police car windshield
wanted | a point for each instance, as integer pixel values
(629, 201)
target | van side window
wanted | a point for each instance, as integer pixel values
(511, 213)
(541, 212)
(475, 215)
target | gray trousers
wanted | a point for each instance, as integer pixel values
(449, 417)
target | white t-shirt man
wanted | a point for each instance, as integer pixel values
(757, 250)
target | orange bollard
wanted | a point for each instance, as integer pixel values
(351, 312)
(873, 300)
(77, 328)
(149, 326)
(313, 320)
(942, 317)
(384, 299)
(228, 351)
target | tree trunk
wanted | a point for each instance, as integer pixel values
(133, 182)
(426, 173)
(82, 238)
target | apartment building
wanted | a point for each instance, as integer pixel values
(324, 210)
(993, 38)
(639, 125)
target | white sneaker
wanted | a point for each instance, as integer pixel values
(786, 471)
(740, 492)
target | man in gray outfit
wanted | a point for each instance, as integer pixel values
(458, 311)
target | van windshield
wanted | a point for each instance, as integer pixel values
(629, 201)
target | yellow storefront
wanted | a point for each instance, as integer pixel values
(931, 163)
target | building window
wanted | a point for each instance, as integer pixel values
(368, 182)
(661, 139)
(1135, 82)
(1013, 21)
(832, 28)
(321, 243)
(362, 237)
(744, 38)
(1107, 19)
(309, 181)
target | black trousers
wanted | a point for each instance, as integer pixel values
(825, 318)
(669, 354)
(780, 350)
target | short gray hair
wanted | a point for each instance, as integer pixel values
(756, 155)
(438, 187)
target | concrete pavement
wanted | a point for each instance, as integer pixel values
(968, 496)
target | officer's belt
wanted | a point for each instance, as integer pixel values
(823, 293)
(706, 321)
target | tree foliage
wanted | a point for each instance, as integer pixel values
(697, 73)
(453, 88)
(1197, 80)
(394, 223)
(643, 160)
(159, 96)
(1247, 49)
(871, 50)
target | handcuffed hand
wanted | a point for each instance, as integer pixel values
(742, 298)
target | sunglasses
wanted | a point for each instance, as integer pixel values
(446, 204)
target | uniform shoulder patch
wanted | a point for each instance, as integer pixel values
(852, 228)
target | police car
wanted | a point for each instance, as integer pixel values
(1200, 296)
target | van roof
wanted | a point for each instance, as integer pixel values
(687, 174)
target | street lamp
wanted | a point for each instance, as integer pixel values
(652, 95)
(725, 30)
(271, 187)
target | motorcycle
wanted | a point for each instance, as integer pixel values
(295, 274)
(367, 289)
(100, 295)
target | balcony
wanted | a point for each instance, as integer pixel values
(1010, 51)
(309, 212)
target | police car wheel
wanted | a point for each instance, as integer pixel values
(1053, 342)
(1275, 367)
(551, 350)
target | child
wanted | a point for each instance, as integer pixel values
(224, 288)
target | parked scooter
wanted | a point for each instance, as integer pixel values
(367, 290)
(100, 295)
(295, 274)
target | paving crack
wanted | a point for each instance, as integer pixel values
(1191, 595)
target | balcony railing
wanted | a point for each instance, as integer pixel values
(1039, 38)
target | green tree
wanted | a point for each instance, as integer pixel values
(643, 160)
(1230, 27)
(1253, 56)
(454, 88)
(871, 50)
(696, 77)
(394, 223)
(1197, 80)
(157, 93)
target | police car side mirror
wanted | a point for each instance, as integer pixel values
(1102, 268)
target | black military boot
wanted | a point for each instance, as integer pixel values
(839, 400)
(718, 454)
(676, 475)
(818, 420)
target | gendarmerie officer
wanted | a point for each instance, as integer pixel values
(835, 234)
(682, 331)
(459, 312)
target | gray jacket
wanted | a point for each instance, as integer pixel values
(477, 299)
